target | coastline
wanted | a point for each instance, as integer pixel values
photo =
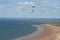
(39, 31)
(49, 33)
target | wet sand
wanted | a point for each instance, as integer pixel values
(49, 32)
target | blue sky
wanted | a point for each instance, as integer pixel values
(19, 9)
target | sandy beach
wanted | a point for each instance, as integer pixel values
(50, 32)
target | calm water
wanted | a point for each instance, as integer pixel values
(10, 29)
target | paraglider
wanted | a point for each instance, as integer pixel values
(33, 6)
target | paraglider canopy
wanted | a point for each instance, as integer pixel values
(33, 6)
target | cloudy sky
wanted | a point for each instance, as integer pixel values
(22, 9)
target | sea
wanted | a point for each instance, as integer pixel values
(14, 28)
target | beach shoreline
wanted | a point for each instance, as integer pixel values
(48, 33)
(30, 35)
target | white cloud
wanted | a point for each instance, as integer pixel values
(45, 1)
(54, 4)
(49, 3)
(25, 3)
